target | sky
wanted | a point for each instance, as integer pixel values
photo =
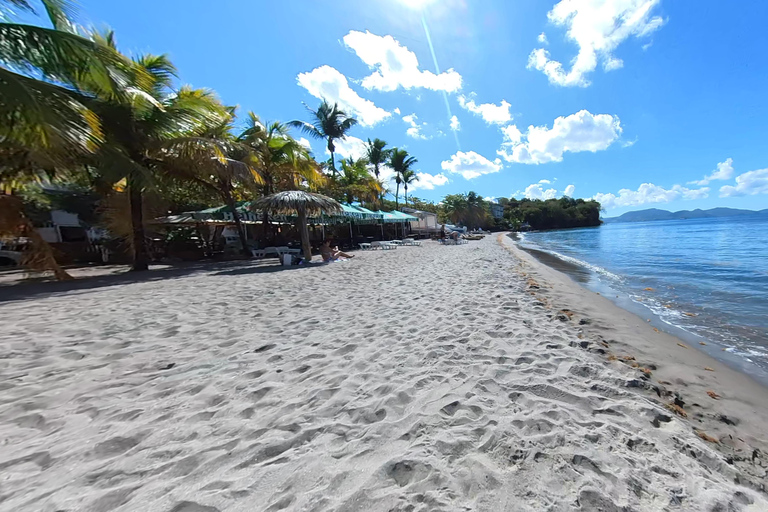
(636, 103)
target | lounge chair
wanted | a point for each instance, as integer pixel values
(382, 245)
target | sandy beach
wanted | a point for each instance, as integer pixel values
(459, 378)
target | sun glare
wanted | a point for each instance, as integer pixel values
(417, 4)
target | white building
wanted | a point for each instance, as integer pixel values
(497, 210)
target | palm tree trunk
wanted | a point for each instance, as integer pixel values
(303, 229)
(332, 150)
(376, 172)
(238, 223)
(406, 195)
(397, 194)
(140, 254)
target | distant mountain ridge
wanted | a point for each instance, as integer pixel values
(656, 214)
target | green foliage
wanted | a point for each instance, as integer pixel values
(553, 213)
(469, 210)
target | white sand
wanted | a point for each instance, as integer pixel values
(420, 379)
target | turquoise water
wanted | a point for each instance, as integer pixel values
(708, 277)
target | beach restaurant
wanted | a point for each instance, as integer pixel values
(355, 224)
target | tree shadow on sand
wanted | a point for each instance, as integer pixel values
(34, 287)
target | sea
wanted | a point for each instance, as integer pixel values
(698, 279)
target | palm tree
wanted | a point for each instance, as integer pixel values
(147, 125)
(400, 162)
(304, 204)
(407, 177)
(330, 123)
(376, 154)
(230, 171)
(283, 163)
(357, 183)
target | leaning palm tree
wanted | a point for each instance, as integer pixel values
(400, 162)
(408, 177)
(303, 204)
(329, 123)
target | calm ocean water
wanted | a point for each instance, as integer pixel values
(708, 278)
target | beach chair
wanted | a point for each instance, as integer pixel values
(365, 246)
(411, 241)
(382, 245)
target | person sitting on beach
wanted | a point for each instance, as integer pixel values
(332, 253)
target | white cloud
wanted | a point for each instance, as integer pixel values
(578, 132)
(490, 199)
(429, 181)
(455, 124)
(397, 111)
(598, 27)
(497, 114)
(536, 191)
(350, 147)
(415, 128)
(569, 190)
(649, 193)
(543, 38)
(748, 184)
(544, 182)
(724, 172)
(304, 142)
(470, 164)
(328, 83)
(395, 65)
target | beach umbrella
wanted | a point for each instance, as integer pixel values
(304, 204)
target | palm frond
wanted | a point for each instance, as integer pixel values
(307, 128)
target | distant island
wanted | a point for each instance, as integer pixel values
(656, 214)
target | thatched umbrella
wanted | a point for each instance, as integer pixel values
(304, 204)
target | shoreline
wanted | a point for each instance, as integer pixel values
(583, 277)
(440, 378)
(680, 368)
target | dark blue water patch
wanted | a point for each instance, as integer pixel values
(706, 278)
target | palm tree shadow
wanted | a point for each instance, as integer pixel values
(36, 287)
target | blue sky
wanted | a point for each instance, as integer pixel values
(639, 103)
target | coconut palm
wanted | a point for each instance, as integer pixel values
(43, 111)
(283, 163)
(232, 170)
(147, 126)
(357, 183)
(400, 162)
(303, 204)
(376, 154)
(408, 177)
(329, 123)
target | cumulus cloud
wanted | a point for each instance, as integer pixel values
(470, 165)
(328, 83)
(455, 124)
(428, 181)
(395, 65)
(536, 191)
(578, 132)
(543, 38)
(597, 27)
(397, 111)
(648, 193)
(304, 142)
(748, 184)
(349, 147)
(724, 172)
(415, 128)
(491, 114)
(569, 190)
(544, 182)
